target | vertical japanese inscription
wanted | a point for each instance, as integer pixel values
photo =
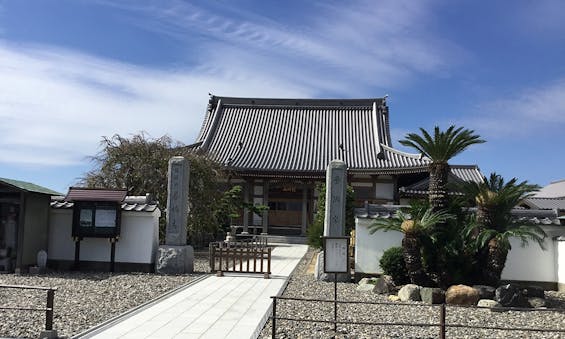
(177, 201)
(334, 224)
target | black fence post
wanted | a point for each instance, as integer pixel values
(49, 312)
(274, 329)
(442, 321)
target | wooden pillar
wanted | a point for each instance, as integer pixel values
(246, 189)
(266, 203)
(304, 208)
(396, 194)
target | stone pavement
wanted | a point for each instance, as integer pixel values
(233, 306)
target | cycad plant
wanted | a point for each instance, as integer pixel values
(415, 225)
(440, 148)
(494, 227)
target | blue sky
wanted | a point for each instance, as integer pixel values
(72, 71)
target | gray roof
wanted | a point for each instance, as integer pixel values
(301, 136)
(555, 189)
(534, 216)
(130, 203)
(545, 203)
(457, 173)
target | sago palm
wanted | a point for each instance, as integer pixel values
(414, 225)
(495, 200)
(440, 148)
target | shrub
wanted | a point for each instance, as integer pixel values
(392, 263)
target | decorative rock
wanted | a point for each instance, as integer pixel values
(537, 302)
(488, 303)
(461, 295)
(510, 295)
(365, 288)
(533, 292)
(431, 295)
(367, 281)
(485, 292)
(409, 292)
(383, 285)
(393, 297)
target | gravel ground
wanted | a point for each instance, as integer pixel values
(303, 285)
(82, 299)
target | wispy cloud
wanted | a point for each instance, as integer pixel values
(55, 104)
(534, 110)
(358, 43)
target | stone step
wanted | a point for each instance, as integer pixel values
(285, 239)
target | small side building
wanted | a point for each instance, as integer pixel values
(24, 223)
(103, 230)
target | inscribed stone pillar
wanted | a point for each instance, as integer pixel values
(336, 180)
(176, 257)
(334, 221)
(177, 201)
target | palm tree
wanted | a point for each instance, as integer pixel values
(494, 227)
(440, 148)
(415, 225)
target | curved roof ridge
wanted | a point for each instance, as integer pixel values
(418, 156)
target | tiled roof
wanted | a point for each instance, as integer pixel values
(300, 137)
(28, 186)
(545, 203)
(130, 203)
(555, 189)
(457, 173)
(95, 194)
(540, 217)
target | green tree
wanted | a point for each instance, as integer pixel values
(417, 224)
(440, 148)
(494, 227)
(140, 164)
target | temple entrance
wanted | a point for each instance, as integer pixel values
(289, 209)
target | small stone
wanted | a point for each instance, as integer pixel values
(409, 292)
(461, 295)
(431, 295)
(488, 303)
(393, 297)
(537, 302)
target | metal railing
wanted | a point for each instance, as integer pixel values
(49, 309)
(241, 257)
(442, 325)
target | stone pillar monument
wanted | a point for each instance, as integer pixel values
(334, 221)
(176, 257)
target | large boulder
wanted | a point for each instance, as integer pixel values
(432, 295)
(485, 292)
(174, 259)
(533, 292)
(510, 295)
(366, 284)
(384, 285)
(409, 292)
(461, 295)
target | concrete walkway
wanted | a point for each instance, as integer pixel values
(233, 306)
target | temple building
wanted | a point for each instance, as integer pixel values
(278, 150)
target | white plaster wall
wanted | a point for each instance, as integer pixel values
(384, 190)
(560, 262)
(530, 263)
(138, 243)
(369, 248)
